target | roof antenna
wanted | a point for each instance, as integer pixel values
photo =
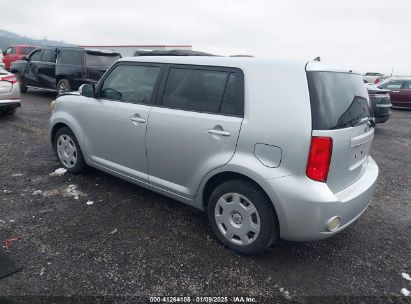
(317, 58)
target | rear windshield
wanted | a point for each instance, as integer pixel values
(101, 60)
(338, 100)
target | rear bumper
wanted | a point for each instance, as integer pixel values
(10, 104)
(304, 207)
(382, 112)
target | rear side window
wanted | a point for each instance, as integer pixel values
(49, 56)
(26, 50)
(338, 100)
(407, 85)
(202, 90)
(73, 57)
(100, 60)
(131, 83)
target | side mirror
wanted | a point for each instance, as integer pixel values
(87, 90)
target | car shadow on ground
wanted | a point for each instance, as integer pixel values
(42, 93)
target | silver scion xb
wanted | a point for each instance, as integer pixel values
(269, 149)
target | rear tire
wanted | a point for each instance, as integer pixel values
(63, 86)
(242, 217)
(10, 112)
(23, 88)
(68, 151)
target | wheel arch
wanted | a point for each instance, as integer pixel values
(223, 176)
(55, 129)
(69, 122)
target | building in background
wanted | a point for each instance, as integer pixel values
(129, 50)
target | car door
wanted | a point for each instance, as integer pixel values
(405, 95)
(394, 86)
(115, 122)
(30, 73)
(46, 72)
(194, 126)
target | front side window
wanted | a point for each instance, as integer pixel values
(131, 83)
(392, 85)
(8, 51)
(13, 50)
(73, 57)
(195, 90)
(49, 56)
(36, 56)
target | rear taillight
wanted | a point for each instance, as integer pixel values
(319, 159)
(378, 80)
(9, 78)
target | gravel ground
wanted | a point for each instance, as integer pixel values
(132, 244)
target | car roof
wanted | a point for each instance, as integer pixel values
(78, 48)
(22, 45)
(237, 62)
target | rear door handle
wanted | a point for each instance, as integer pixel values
(395, 91)
(219, 132)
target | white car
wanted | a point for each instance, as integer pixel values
(374, 78)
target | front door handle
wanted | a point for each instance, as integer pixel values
(219, 132)
(395, 91)
(137, 119)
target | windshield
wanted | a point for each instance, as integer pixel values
(338, 100)
(101, 60)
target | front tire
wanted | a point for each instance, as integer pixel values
(68, 151)
(23, 88)
(242, 217)
(63, 86)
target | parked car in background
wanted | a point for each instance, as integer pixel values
(400, 91)
(172, 124)
(62, 69)
(16, 52)
(2, 65)
(373, 77)
(380, 103)
(9, 93)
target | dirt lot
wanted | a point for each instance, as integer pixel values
(132, 244)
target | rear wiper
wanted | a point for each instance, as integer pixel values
(365, 120)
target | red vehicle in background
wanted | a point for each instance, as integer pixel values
(400, 91)
(16, 52)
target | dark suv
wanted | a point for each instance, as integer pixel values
(62, 69)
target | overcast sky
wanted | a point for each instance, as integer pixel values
(366, 35)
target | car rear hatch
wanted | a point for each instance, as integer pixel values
(340, 110)
(98, 62)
